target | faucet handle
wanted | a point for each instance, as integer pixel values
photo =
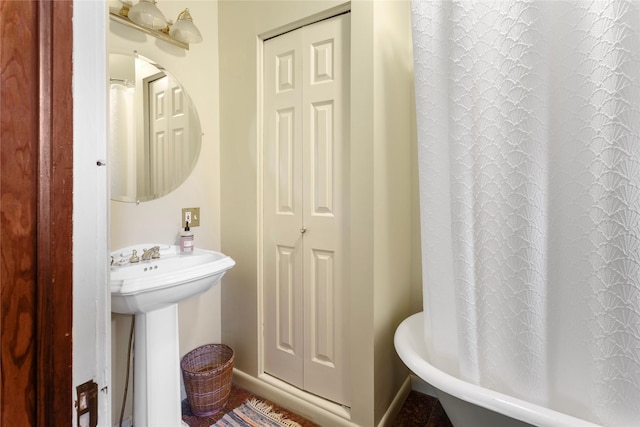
(134, 256)
(155, 252)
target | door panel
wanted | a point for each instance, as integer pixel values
(285, 173)
(286, 300)
(325, 185)
(282, 216)
(322, 148)
(322, 343)
(305, 191)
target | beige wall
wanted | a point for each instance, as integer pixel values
(381, 184)
(392, 191)
(158, 221)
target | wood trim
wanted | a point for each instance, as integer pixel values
(36, 161)
(18, 189)
(44, 285)
(55, 201)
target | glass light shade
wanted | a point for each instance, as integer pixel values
(184, 30)
(147, 14)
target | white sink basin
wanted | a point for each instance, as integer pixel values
(146, 286)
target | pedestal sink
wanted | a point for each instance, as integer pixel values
(150, 290)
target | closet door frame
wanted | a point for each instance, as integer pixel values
(309, 299)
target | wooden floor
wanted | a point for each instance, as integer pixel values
(419, 410)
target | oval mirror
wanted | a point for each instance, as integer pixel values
(154, 130)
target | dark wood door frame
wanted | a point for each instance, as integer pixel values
(36, 184)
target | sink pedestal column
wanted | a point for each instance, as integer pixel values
(156, 381)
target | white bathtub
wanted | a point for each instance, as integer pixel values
(466, 404)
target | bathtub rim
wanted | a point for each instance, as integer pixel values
(409, 343)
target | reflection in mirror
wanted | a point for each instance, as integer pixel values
(155, 133)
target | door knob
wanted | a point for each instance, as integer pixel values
(303, 230)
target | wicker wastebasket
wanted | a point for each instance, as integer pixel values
(207, 372)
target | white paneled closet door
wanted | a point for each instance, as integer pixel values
(305, 199)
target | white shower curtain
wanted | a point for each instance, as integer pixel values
(529, 147)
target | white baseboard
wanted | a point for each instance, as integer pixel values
(396, 405)
(312, 407)
(304, 404)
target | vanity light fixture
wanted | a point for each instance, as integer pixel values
(147, 14)
(184, 29)
(147, 17)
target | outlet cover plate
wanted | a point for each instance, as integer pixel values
(195, 217)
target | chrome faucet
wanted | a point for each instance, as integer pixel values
(153, 253)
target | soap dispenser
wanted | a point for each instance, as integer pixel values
(186, 240)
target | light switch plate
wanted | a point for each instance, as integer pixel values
(195, 216)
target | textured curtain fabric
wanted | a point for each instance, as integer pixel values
(528, 119)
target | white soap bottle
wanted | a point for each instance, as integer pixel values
(186, 240)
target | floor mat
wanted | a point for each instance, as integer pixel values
(254, 413)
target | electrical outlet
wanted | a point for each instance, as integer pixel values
(192, 215)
